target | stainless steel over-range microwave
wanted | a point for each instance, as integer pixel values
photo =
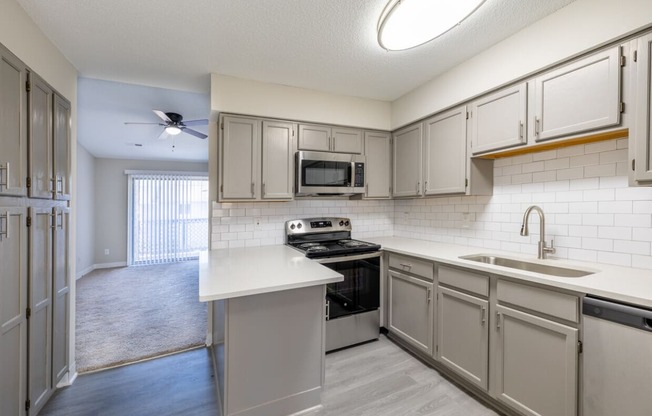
(326, 173)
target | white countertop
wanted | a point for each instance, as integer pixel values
(623, 284)
(231, 273)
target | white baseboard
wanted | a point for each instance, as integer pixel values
(100, 266)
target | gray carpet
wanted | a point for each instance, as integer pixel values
(130, 313)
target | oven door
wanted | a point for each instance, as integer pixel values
(359, 291)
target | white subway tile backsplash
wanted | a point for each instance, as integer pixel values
(591, 213)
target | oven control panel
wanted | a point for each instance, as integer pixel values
(317, 225)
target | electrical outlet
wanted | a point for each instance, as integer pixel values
(258, 224)
(106, 251)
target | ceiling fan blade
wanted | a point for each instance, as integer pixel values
(193, 132)
(162, 115)
(134, 122)
(163, 135)
(202, 122)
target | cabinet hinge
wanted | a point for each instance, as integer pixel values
(28, 182)
(633, 164)
(28, 404)
(28, 313)
(466, 182)
(580, 347)
(622, 107)
(28, 86)
(635, 56)
(623, 60)
(29, 221)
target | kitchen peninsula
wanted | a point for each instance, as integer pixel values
(268, 327)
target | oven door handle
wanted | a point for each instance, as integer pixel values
(348, 258)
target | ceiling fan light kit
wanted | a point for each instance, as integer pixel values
(173, 124)
(405, 24)
(173, 130)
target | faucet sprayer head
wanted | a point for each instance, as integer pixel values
(524, 230)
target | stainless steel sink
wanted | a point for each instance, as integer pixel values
(527, 266)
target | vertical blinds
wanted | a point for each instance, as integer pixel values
(169, 217)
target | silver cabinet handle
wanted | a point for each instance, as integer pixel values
(59, 182)
(484, 316)
(252, 189)
(6, 169)
(536, 126)
(6, 231)
(520, 130)
(60, 223)
(406, 265)
(328, 310)
(330, 143)
(263, 191)
(418, 188)
(428, 291)
(54, 221)
(425, 186)
(53, 186)
(498, 316)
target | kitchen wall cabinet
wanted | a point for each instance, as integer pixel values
(61, 148)
(330, 139)
(257, 159)
(40, 98)
(40, 386)
(60, 293)
(640, 131)
(444, 156)
(499, 120)
(463, 324)
(407, 162)
(13, 125)
(579, 96)
(377, 150)
(13, 307)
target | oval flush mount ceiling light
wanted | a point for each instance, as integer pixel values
(404, 24)
(172, 130)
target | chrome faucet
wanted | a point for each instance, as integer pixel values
(543, 249)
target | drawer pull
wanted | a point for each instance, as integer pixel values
(406, 265)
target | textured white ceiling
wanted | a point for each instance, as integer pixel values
(327, 45)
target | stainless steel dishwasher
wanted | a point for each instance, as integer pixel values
(617, 359)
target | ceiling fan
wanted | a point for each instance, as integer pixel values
(173, 124)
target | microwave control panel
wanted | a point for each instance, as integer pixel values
(358, 180)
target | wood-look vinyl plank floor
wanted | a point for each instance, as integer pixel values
(375, 379)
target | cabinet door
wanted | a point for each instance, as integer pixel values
(60, 293)
(40, 138)
(346, 140)
(406, 179)
(61, 147)
(640, 131)
(463, 335)
(13, 304)
(581, 96)
(499, 119)
(278, 160)
(536, 364)
(13, 110)
(240, 157)
(410, 310)
(445, 153)
(377, 165)
(40, 303)
(313, 137)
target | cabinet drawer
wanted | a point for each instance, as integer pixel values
(412, 265)
(465, 280)
(560, 305)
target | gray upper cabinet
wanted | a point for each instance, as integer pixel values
(278, 149)
(13, 110)
(13, 305)
(330, 139)
(444, 156)
(499, 120)
(257, 159)
(377, 150)
(407, 167)
(640, 131)
(581, 96)
(61, 148)
(40, 138)
(240, 157)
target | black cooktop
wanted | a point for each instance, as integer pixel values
(332, 248)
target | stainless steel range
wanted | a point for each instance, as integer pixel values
(352, 306)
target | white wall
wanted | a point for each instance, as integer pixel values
(236, 95)
(85, 194)
(576, 28)
(111, 203)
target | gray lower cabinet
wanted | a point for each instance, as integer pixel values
(13, 307)
(535, 364)
(462, 335)
(411, 310)
(60, 293)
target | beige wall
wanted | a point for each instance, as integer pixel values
(578, 27)
(111, 203)
(85, 196)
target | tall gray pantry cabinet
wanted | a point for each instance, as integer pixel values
(35, 187)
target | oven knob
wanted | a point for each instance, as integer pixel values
(346, 223)
(299, 225)
(341, 223)
(292, 227)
